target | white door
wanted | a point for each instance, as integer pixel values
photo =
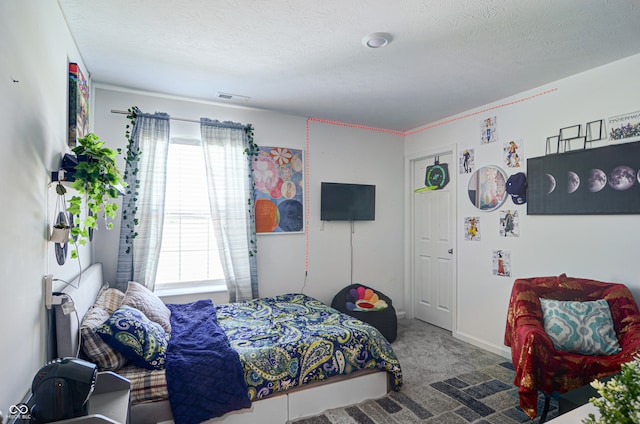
(433, 257)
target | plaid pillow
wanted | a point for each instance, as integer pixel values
(109, 299)
(96, 349)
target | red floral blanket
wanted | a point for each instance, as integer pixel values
(539, 366)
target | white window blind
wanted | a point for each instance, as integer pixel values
(189, 256)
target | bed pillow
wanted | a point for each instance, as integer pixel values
(139, 339)
(109, 299)
(96, 349)
(146, 301)
(580, 327)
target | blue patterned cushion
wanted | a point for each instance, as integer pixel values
(140, 340)
(580, 327)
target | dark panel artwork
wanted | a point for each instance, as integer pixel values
(603, 180)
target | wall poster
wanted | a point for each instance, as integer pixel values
(603, 180)
(78, 105)
(501, 263)
(513, 153)
(466, 162)
(624, 127)
(472, 228)
(279, 190)
(489, 130)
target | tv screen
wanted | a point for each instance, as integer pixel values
(347, 202)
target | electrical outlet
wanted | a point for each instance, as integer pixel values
(48, 290)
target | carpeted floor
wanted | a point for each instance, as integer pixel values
(446, 381)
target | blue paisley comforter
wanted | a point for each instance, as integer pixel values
(290, 340)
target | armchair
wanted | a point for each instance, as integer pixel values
(539, 365)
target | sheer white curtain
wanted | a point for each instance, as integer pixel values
(230, 186)
(138, 260)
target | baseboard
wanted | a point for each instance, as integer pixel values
(503, 351)
(401, 314)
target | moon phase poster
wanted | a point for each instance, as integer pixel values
(604, 180)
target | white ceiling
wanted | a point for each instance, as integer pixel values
(306, 57)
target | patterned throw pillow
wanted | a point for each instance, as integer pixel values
(96, 349)
(580, 327)
(140, 340)
(146, 301)
(109, 299)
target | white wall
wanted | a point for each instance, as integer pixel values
(590, 246)
(336, 153)
(35, 49)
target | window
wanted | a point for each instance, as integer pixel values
(189, 259)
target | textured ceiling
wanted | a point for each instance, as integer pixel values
(306, 57)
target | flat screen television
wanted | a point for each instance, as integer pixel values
(347, 202)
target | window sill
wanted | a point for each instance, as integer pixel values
(218, 288)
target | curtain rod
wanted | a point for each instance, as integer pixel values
(124, 112)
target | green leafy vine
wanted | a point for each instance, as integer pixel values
(252, 152)
(131, 158)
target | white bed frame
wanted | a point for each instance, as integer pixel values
(304, 402)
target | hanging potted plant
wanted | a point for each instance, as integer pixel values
(96, 177)
(61, 229)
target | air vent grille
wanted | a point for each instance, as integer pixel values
(233, 97)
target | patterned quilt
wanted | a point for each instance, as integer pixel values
(290, 340)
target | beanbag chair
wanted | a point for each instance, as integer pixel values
(370, 306)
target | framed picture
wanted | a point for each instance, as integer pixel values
(603, 180)
(78, 105)
(279, 190)
(594, 131)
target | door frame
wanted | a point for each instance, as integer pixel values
(409, 245)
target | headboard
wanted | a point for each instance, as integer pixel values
(82, 291)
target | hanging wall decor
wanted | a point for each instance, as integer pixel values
(472, 228)
(502, 263)
(509, 223)
(279, 190)
(466, 161)
(78, 105)
(603, 180)
(624, 127)
(61, 228)
(487, 188)
(513, 153)
(489, 130)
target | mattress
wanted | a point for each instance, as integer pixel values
(284, 343)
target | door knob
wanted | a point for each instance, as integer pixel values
(450, 251)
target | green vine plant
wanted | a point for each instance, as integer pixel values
(96, 178)
(129, 210)
(252, 152)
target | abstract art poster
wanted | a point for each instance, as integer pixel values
(466, 161)
(502, 263)
(509, 223)
(472, 228)
(489, 130)
(513, 153)
(279, 190)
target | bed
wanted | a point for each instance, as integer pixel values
(287, 374)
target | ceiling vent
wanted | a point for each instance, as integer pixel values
(233, 97)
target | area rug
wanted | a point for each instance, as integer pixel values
(482, 394)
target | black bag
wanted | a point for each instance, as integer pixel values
(437, 175)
